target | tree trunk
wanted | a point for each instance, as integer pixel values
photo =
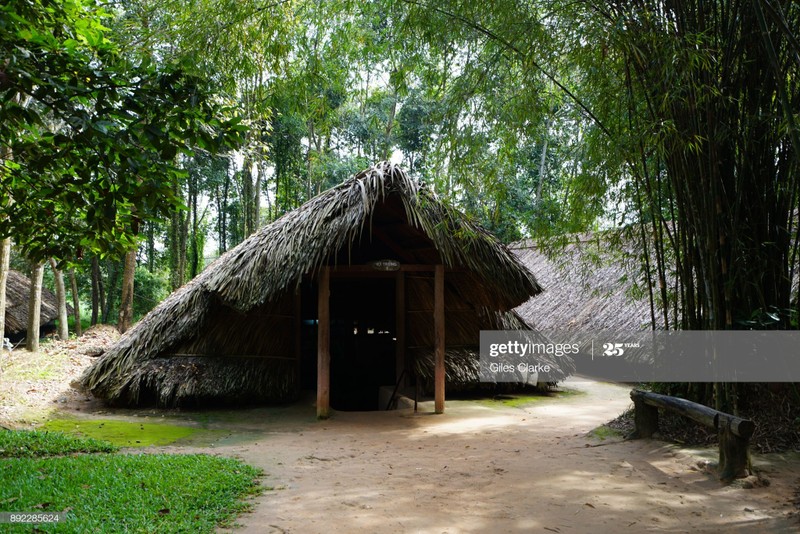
(387, 144)
(183, 248)
(5, 256)
(34, 308)
(543, 161)
(177, 243)
(193, 259)
(61, 298)
(76, 302)
(257, 197)
(126, 301)
(113, 278)
(151, 247)
(97, 290)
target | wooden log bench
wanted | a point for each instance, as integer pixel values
(734, 432)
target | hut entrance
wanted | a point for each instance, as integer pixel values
(362, 344)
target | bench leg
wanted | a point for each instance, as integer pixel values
(645, 417)
(734, 457)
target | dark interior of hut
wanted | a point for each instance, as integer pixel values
(362, 340)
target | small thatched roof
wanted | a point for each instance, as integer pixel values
(178, 351)
(18, 288)
(590, 284)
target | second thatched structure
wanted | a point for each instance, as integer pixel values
(18, 289)
(374, 282)
(593, 283)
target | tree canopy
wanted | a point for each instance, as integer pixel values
(181, 126)
(90, 138)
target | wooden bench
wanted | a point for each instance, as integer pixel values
(734, 432)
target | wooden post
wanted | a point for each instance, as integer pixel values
(298, 339)
(734, 452)
(323, 345)
(438, 327)
(400, 325)
(645, 418)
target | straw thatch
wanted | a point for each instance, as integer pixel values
(591, 284)
(228, 334)
(18, 288)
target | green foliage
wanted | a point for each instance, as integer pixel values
(150, 289)
(35, 443)
(89, 138)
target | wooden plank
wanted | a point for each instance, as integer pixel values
(323, 344)
(438, 327)
(400, 324)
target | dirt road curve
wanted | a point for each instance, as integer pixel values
(486, 469)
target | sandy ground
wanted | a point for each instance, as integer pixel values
(480, 467)
(488, 469)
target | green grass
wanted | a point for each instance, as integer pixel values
(121, 492)
(514, 400)
(123, 433)
(604, 432)
(29, 443)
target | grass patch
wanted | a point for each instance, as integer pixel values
(122, 433)
(31, 443)
(119, 492)
(604, 432)
(522, 400)
(129, 493)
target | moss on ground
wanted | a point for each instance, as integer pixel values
(523, 400)
(604, 432)
(123, 433)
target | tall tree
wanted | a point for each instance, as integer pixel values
(76, 302)
(5, 257)
(34, 308)
(126, 301)
(97, 291)
(61, 301)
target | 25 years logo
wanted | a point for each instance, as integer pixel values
(613, 349)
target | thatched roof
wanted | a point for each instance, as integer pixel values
(18, 288)
(379, 213)
(590, 284)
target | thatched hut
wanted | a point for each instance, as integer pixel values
(18, 288)
(371, 283)
(593, 283)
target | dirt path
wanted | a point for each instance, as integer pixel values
(488, 469)
(480, 467)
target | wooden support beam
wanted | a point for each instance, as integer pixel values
(438, 327)
(400, 325)
(323, 344)
(298, 339)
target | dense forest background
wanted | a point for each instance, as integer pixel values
(140, 140)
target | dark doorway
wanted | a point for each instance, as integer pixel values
(363, 340)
